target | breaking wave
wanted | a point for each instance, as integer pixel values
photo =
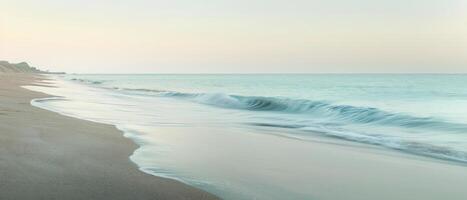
(331, 120)
(345, 113)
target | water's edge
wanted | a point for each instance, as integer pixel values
(125, 133)
(164, 147)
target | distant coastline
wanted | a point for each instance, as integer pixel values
(22, 67)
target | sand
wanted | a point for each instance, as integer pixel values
(44, 155)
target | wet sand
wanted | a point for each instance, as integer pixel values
(272, 167)
(44, 155)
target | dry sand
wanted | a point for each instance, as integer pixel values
(44, 155)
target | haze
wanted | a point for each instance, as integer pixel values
(242, 36)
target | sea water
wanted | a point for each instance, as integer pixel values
(198, 128)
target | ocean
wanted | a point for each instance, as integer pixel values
(209, 130)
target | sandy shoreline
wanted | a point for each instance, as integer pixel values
(44, 155)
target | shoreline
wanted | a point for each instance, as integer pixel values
(321, 170)
(45, 155)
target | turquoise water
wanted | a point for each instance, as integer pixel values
(422, 115)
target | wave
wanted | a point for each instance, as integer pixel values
(330, 117)
(87, 81)
(318, 109)
(407, 146)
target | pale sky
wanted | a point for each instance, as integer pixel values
(237, 36)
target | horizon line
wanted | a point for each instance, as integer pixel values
(280, 73)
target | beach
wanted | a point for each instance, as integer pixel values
(233, 100)
(44, 155)
(280, 148)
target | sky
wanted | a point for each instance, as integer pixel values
(236, 36)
